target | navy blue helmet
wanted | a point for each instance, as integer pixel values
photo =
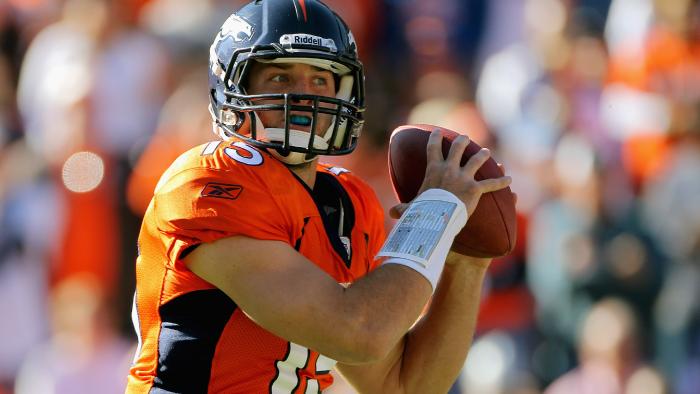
(287, 31)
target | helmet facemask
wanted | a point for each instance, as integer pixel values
(239, 114)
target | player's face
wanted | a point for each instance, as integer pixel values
(291, 78)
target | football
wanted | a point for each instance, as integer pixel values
(491, 229)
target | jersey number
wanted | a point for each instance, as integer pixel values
(287, 380)
(244, 153)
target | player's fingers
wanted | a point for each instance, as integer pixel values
(475, 162)
(434, 147)
(457, 150)
(397, 210)
(502, 168)
(493, 184)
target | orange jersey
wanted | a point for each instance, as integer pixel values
(192, 337)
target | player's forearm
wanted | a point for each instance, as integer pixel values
(382, 306)
(291, 297)
(437, 346)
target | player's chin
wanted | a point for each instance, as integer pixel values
(320, 129)
(305, 129)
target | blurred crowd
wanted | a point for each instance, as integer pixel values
(593, 106)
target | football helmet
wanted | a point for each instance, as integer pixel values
(287, 31)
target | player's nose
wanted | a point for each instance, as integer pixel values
(301, 87)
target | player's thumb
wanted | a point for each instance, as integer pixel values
(397, 210)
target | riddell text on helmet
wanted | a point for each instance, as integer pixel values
(308, 39)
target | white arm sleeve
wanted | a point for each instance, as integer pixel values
(423, 235)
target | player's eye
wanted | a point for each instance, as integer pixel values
(321, 81)
(279, 78)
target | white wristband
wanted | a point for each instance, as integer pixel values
(422, 237)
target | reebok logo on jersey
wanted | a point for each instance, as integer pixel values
(222, 190)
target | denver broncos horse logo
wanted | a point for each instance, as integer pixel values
(237, 28)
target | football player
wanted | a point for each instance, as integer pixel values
(260, 269)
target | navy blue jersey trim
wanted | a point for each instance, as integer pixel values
(329, 189)
(190, 330)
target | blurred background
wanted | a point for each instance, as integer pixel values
(592, 105)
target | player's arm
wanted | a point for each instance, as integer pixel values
(430, 356)
(288, 295)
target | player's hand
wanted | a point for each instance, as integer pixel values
(503, 171)
(447, 174)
